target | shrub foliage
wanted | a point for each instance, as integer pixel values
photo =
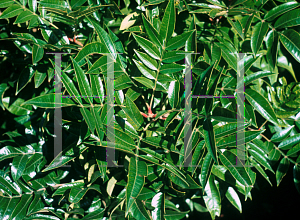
(152, 45)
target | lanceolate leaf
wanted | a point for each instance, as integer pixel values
(148, 46)
(158, 202)
(179, 40)
(173, 93)
(105, 38)
(48, 101)
(282, 170)
(37, 53)
(144, 70)
(289, 142)
(280, 135)
(233, 198)
(258, 34)
(259, 155)
(147, 60)
(206, 169)
(91, 48)
(254, 76)
(65, 156)
(280, 9)
(291, 41)
(209, 137)
(168, 23)
(212, 198)
(289, 19)
(18, 166)
(261, 105)
(139, 211)
(136, 177)
(11, 11)
(152, 32)
(296, 174)
(133, 113)
(238, 172)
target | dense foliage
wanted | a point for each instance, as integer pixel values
(148, 41)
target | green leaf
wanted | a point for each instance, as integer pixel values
(212, 198)
(15, 107)
(88, 117)
(228, 159)
(291, 41)
(177, 181)
(24, 78)
(209, 137)
(134, 114)
(258, 167)
(13, 188)
(48, 101)
(178, 41)
(258, 34)
(229, 54)
(294, 150)
(65, 156)
(91, 48)
(167, 26)
(254, 76)
(9, 151)
(6, 3)
(37, 53)
(147, 60)
(83, 82)
(24, 16)
(232, 141)
(148, 46)
(158, 202)
(146, 82)
(76, 194)
(237, 26)
(259, 155)
(39, 78)
(280, 135)
(98, 214)
(171, 68)
(97, 87)
(261, 105)
(152, 32)
(18, 166)
(136, 178)
(289, 19)
(280, 9)
(123, 82)
(228, 129)
(289, 142)
(223, 114)
(56, 4)
(11, 11)
(282, 170)
(296, 174)
(172, 56)
(139, 211)
(144, 70)
(172, 215)
(206, 169)
(173, 93)
(104, 37)
(218, 3)
(67, 186)
(233, 198)
(147, 193)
